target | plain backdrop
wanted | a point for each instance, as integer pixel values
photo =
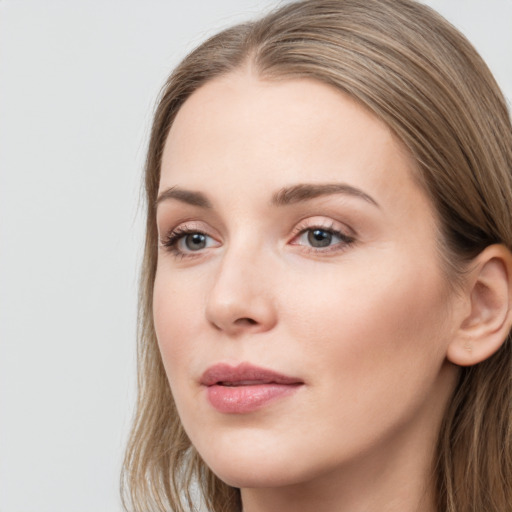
(78, 82)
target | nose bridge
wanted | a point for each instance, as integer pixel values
(240, 297)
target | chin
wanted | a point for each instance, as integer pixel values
(244, 474)
(259, 465)
(243, 469)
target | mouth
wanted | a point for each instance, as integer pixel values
(245, 388)
(243, 383)
(244, 374)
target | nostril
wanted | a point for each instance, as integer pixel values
(247, 321)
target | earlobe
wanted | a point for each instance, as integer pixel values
(484, 329)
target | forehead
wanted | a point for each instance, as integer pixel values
(247, 132)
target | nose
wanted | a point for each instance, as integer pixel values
(241, 299)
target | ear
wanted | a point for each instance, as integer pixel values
(484, 329)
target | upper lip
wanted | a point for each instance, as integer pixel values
(244, 374)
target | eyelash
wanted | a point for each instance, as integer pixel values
(345, 240)
(171, 240)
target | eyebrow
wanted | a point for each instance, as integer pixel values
(283, 197)
(185, 196)
(305, 192)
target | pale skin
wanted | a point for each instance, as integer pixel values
(366, 318)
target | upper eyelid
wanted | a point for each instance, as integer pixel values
(189, 226)
(323, 222)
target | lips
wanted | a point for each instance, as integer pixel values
(244, 374)
(245, 388)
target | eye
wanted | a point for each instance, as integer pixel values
(184, 241)
(321, 239)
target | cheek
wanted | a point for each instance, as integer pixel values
(176, 314)
(373, 346)
(374, 328)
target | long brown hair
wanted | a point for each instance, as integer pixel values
(412, 69)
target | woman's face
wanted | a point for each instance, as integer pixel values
(299, 303)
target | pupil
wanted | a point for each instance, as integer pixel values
(319, 238)
(195, 241)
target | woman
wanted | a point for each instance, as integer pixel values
(325, 302)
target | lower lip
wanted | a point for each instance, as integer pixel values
(244, 399)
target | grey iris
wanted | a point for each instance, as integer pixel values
(195, 241)
(319, 238)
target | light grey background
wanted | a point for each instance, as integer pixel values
(78, 80)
